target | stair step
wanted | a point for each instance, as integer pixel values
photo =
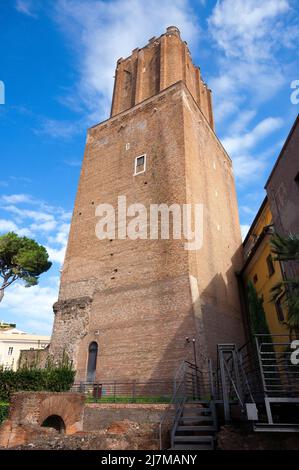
(196, 428)
(193, 439)
(276, 427)
(197, 408)
(196, 418)
(192, 447)
(197, 412)
(193, 404)
(198, 402)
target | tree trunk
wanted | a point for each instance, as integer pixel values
(4, 284)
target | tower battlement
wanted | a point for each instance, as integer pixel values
(153, 68)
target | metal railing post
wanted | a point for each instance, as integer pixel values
(260, 364)
(224, 387)
(211, 378)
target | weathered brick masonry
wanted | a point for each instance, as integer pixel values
(29, 410)
(140, 299)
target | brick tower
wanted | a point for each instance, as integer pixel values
(127, 306)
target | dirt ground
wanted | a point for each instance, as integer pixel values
(122, 435)
(127, 435)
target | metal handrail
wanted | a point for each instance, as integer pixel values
(177, 389)
(180, 393)
(278, 375)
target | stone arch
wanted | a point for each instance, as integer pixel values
(30, 410)
(55, 422)
(62, 406)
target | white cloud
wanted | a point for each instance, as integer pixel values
(60, 239)
(100, 32)
(241, 124)
(61, 236)
(28, 213)
(249, 34)
(31, 305)
(56, 254)
(10, 226)
(246, 166)
(242, 147)
(244, 230)
(26, 7)
(60, 129)
(240, 143)
(7, 225)
(246, 26)
(15, 198)
(48, 224)
(248, 210)
(44, 227)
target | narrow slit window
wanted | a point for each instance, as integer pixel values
(270, 264)
(140, 164)
(279, 310)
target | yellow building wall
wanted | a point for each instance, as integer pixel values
(258, 266)
(264, 219)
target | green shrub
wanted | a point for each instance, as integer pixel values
(57, 378)
(3, 411)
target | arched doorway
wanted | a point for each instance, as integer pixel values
(55, 422)
(92, 361)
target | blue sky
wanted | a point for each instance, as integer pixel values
(57, 63)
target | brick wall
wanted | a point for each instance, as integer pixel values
(28, 410)
(161, 63)
(146, 296)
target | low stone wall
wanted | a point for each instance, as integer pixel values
(96, 425)
(98, 416)
(28, 411)
(128, 426)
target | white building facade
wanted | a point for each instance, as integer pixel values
(13, 341)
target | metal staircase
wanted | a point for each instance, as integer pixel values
(257, 383)
(195, 426)
(192, 418)
(280, 379)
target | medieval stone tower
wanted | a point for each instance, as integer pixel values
(126, 306)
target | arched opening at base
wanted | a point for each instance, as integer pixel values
(55, 422)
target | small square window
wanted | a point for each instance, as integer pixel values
(10, 350)
(140, 164)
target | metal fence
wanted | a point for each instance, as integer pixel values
(126, 392)
(279, 376)
(259, 372)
